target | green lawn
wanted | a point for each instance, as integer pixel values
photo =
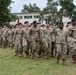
(12, 65)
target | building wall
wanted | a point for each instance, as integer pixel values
(65, 20)
(30, 17)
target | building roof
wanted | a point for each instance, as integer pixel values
(27, 13)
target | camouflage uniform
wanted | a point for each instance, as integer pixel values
(28, 42)
(47, 41)
(53, 49)
(47, 38)
(72, 43)
(24, 41)
(10, 38)
(13, 36)
(42, 46)
(4, 37)
(34, 36)
(0, 37)
(61, 43)
(18, 41)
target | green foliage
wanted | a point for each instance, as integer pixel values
(30, 8)
(41, 18)
(51, 10)
(67, 8)
(74, 14)
(4, 12)
(13, 17)
(5, 16)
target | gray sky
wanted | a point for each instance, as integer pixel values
(17, 6)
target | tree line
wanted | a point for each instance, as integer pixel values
(67, 8)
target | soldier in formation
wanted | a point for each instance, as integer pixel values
(41, 40)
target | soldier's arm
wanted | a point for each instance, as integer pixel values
(22, 32)
(12, 32)
(39, 34)
(67, 38)
(6, 33)
(54, 28)
(15, 33)
(29, 34)
(54, 34)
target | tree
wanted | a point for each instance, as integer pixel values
(41, 18)
(51, 10)
(13, 17)
(30, 8)
(4, 12)
(5, 15)
(67, 8)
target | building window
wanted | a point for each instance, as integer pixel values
(30, 16)
(27, 17)
(36, 16)
(20, 17)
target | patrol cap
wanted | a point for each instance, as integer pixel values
(20, 23)
(73, 20)
(25, 22)
(16, 24)
(60, 23)
(57, 22)
(47, 22)
(43, 25)
(69, 23)
(34, 22)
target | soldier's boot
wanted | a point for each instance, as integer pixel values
(32, 56)
(37, 56)
(42, 54)
(25, 54)
(73, 60)
(67, 53)
(63, 62)
(4, 46)
(19, 54)
(16, 53)
(46, 56)
(57, 61)
(12, 45)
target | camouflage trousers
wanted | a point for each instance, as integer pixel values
(18, 48)
(47, 45)
(24, 44)
(42, 47)
(4, 41)
(61, 51)
(0, 41)
(10, 42)
(35, 47)
(73, 52)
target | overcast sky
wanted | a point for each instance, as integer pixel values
(17, 6)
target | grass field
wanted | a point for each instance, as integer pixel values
(12, 65)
